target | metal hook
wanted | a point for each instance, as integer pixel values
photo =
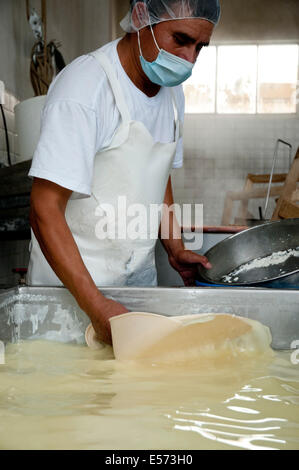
(279, 141)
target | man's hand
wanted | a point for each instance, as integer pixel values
(100, 320)
(186, 263)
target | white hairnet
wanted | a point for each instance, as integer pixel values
(166, 10)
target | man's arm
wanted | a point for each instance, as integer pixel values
(183, 261)
(47, 218)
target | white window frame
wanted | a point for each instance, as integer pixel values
(248, 115)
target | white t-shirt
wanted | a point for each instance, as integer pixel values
(80, 118)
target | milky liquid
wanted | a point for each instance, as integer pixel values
(62, 396)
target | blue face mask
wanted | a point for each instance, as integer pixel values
(168, 69)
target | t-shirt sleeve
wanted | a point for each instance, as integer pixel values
(179, 156)
(67, 147)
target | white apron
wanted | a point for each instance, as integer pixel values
(135, 168)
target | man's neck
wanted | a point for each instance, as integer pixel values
(128, 53)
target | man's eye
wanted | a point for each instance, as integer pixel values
(179, 41)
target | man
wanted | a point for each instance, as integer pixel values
(110, 130)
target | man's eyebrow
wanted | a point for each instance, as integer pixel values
(204, 44)
(187, 38)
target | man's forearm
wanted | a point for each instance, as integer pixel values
(61, 252)
(47, 217)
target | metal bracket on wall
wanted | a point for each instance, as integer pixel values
(279, 141)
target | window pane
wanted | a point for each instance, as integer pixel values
(278, 69)
(200, 88)
(237, 75)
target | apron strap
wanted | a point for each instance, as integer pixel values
(176, 116)
(116, 88)
(118, 94)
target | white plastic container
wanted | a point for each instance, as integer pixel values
(28, 122)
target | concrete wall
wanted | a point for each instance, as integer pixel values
(258, 20)
(96, 29)
(119, 9)
(80, 26)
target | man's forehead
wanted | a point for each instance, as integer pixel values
(192, 27)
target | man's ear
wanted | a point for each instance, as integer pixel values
(140, 16)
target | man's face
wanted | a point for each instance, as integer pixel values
(183, 38)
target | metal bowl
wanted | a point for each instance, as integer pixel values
(253, 244)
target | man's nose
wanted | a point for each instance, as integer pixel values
(191, 55)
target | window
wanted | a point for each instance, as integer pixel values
(277, 79)
(200, 89)
(244, 80)
(236, 80)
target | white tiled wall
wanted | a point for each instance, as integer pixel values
(8, 106)
(221, 150)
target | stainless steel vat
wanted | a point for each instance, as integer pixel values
(52, 313)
